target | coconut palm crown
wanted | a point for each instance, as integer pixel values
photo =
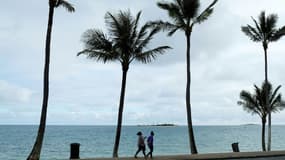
(256, 104)
(184, 14)
(62, 3)
(265, 31)
(126, 42)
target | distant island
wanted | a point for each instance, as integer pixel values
(160, 125)
(250, 124)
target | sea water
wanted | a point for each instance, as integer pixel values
(97, 141)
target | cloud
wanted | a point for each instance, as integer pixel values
(13, 94)
(223, 62)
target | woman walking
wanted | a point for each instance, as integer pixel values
(150, 144)
(141, 145)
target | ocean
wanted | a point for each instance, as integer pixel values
(16, 141)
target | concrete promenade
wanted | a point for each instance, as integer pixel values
(272, 155)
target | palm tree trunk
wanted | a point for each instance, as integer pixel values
(269, 132)
(120, 113)
(267, 98)
(193, 148)
(36, 151)
(263, 134)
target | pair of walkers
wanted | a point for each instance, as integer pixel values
(141, 144)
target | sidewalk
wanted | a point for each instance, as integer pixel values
(272, 155)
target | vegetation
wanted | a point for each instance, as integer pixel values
(36, 151)
(256, 104)
(265, 31)
(126, 43)
(159, 125)
(184, 15)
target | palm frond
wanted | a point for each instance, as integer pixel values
(98, 55)
(134, 33)
(273, 95)
(171, 8)
(281, 30)
(94, 38)
(204, 16)
(97, 46)
(126, 21)
(165, 26)
(249, 103)
(260, 33)
(172, 31)
(251, 33)
(255, 32)
(278, 34)
(278, 104)
(150, 55)
(113, 25)
(262, 22)
(69, 7)
(271, 21)
(189, 8)
(146, 40)
(260, 97)
(141, 34)
(248, 98)
(206, 13)
(174, 11)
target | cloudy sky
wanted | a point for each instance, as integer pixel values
(224, 61)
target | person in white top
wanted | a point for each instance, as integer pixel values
(141, 144)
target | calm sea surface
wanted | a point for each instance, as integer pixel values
(97, 141)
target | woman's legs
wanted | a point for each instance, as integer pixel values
(143, 149)
(150, 150)
(139, 149)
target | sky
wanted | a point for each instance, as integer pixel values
(84, 92)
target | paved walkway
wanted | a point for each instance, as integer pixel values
(265, 158)
(272, 155)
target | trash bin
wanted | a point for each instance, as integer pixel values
(74, 150)
(235, 147)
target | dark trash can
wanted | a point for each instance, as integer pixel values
(74, 150)
(235, 147)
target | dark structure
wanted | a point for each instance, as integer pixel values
(74, 150)
(235, 147)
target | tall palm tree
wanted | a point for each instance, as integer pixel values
(265, 31)
(36, 151)
(184, 15)
(256, 104)
(125, 43)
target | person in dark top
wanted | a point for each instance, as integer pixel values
(150, 144)
(141, 145)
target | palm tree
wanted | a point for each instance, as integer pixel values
(184, 15)
(256, 104)
(125, 44)
(265, 31)
(36, 151)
